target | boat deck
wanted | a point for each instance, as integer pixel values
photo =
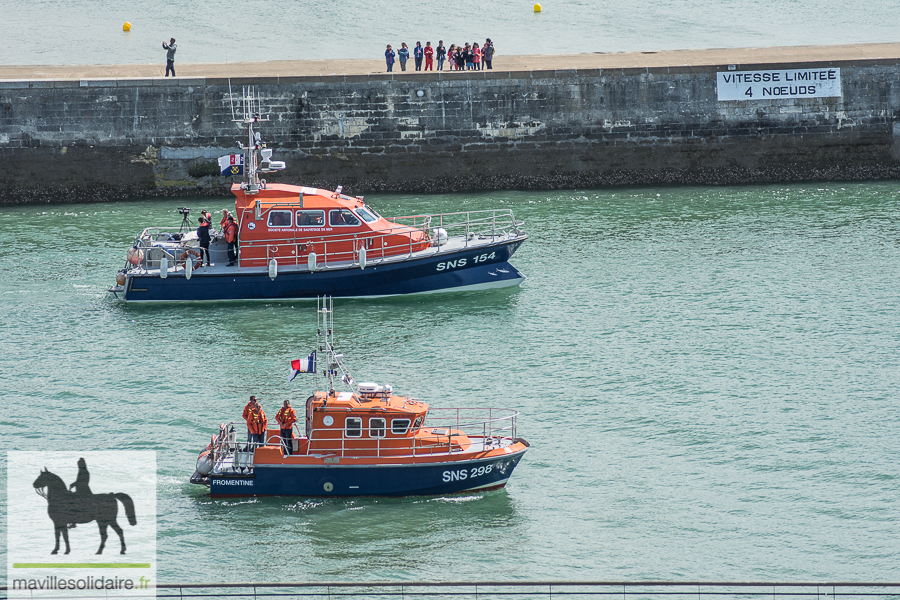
(219, 267)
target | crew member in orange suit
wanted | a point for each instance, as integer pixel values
(256, 423)
(231, 234)
(286, 418)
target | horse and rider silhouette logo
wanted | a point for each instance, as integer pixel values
(68, 508)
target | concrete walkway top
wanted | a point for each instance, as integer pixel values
(620, 60)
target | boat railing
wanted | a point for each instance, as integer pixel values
(490, 222)
(337, 250)
(332, 250)
(154, 243)
(489, 425)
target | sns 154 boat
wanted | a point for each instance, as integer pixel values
(304, 242)
(364, 440)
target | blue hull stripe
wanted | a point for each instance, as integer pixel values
(409, 277)
(383, 480)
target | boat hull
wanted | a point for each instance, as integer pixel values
(460, 270)
(324, 480)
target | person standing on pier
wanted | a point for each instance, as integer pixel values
(170, 49)
(469, 57)
(441, 54)
(403, 55)
(429, 57)
(418, 54)
(487, 53)
(389, 58)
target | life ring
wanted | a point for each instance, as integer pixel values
(194, 253)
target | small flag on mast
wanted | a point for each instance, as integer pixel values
(232, 164)
(303, 365)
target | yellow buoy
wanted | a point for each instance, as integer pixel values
(537, 7)
(126, 26)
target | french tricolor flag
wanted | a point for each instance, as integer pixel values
(303, 365)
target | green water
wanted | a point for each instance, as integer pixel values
(708, 378)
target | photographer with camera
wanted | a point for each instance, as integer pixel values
(204, 237)
(170, 49)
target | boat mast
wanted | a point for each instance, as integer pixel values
(334, 362)
(257, 158)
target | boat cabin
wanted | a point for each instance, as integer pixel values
(314, 227)
(371, 423)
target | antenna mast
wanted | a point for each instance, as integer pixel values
(334, 362)
(257, 158)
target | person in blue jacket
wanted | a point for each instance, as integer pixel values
(441, 55)
(403, 55)
(389, 58)
(418, 53)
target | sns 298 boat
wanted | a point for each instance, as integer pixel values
(302, 242)
(364, 440)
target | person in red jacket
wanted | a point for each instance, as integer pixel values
(230, 229)
(286, 418)
(256, 423)
(429, 56)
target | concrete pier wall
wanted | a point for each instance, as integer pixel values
(107, 139)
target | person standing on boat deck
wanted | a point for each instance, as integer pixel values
(286, 418)
(224, 222)
(203, 236)
(441, 54)
(389, 58)
(403, 55)
(170, 49)
(429, 57)
(418, 53)
(231, 233)
(256, 423)
(209, 220)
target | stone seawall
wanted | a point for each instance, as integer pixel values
(108, 139)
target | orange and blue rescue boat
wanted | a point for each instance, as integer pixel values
(303, 242)
(364, 441)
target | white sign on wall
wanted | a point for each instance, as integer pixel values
(779, 83)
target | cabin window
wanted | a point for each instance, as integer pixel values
(310, 218)
(377, 428)
(353, 427)
(399, 426)
(372, 211)
(279, 218)
(366, 215)
(342, 218)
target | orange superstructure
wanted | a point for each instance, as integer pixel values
(288, 223)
